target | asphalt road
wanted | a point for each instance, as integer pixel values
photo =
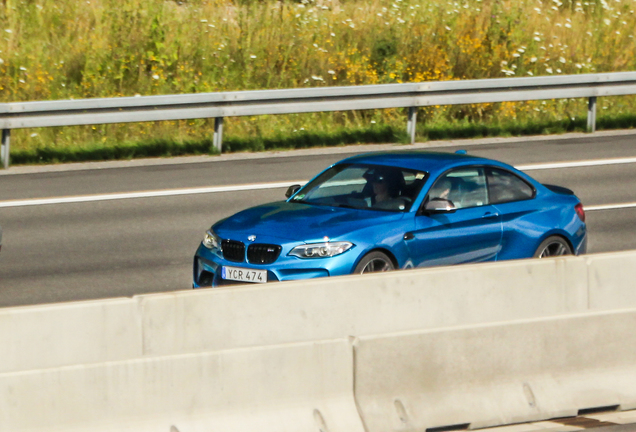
(121, 247)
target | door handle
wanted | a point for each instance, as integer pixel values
(490, 215)
(409, 236)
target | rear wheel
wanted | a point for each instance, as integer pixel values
(374, 262)
(553, 246)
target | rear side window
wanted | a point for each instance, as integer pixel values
(504, 186)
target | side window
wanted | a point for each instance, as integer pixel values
(504, 186)
(464, 187)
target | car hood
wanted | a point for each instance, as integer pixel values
(301, 222)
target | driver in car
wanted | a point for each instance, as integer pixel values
(386, 191)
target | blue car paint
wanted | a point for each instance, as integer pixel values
(491, 232)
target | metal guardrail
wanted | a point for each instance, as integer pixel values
(18, 115)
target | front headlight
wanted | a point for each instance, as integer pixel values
(211, 240)
(320, 250)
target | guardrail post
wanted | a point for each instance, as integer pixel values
(218, 134)
(4, 150)
(591, 114)
(410, 125)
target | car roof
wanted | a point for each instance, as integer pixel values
(421, 160)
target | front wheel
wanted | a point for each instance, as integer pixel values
(374, 262)
(553, 246)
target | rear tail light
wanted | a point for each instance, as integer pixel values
(580, 212)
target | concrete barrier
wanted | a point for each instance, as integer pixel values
(300, 387)
(217, 319)
(496, 374)
(329, 308)
(612, 280)
(35, 337)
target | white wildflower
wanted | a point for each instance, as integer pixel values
(331, 72)
(8, 30)
(317, 78)
(155, 76)
(252, 56)
(533, 59)
(34, 134)
(204, 20)
(549, 70)
(558, 70)
(447, 28)
(568, 25)
(579, 65)
(562, 60)
(607, 22)
(516, 55)
(1, 61)
(537, 38)
(22, 68)
(530, 73)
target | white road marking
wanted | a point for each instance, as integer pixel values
(146, 194)
(260, 186)
(609, 206)
(576, 164)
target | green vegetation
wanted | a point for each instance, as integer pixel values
(62, 49)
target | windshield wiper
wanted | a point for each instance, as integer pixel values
(347, 206)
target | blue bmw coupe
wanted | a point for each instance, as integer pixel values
(384, 211)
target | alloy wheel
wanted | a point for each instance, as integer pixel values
(554, 249)
(377, 265)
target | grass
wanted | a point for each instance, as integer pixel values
(62, 49)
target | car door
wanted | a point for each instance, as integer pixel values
(472, 233)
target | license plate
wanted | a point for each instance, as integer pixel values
(244, 274)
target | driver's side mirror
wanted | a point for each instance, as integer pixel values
(292, 190)
(439, 205)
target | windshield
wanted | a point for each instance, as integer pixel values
(364, 187)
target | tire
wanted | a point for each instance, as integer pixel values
(374, 262)
(553, 246)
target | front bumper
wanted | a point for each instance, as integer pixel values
(207, 267)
